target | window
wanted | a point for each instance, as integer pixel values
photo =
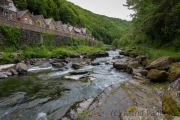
(25, 20)
(30, 22)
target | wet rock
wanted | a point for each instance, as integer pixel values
(95, 63)
(142, 59)
(57, 65)
(13, 71)
(136, 73)
(157, 75)
(98, 55)
(117, 57)
(171, 101)
(120, 65)
(7, 73)
(74, 77)
(13, 100)
(77, 72)
(139, 113)
(76, 65)
(2, 75)
(55, 60)
(21, 68)
(161, 63)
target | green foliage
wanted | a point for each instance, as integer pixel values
(11, 36)
(21, 4)
(48, 40)
(156, 23)
(101, 27)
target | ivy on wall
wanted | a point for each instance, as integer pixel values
(11, 35)
(48, 40)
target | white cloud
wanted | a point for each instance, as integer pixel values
(111, 8)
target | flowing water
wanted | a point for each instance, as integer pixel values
(44, 94)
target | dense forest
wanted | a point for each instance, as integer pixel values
(101, 27)
(155, 23)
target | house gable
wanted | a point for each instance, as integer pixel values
(65, 28)
(39, 19)
(58, 25)
(25, 17)
(50, 23)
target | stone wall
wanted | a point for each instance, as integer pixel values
(31, 34)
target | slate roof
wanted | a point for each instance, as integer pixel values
(48, 21)
(64, 26)
(58, 23)
(77, 30)
(36, 17)
(21, 13)
(70, 28)
(84, 30)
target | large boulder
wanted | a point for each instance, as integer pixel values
(21, 68)
(157, 75)
(13, 71)
(141, 59)
(98, 55)
(76, 65)
(161, 63)
(57, 65)
(95, 63)
(55, 60)
(174, 72)
(171, 101)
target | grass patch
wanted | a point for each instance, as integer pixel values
(83, 114)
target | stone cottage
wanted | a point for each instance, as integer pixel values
(58, 25)
(84, 31)
(50, 23)
(39, 19)
(25, 17)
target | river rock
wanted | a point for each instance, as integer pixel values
(95, 63)
(7, 73)
(55, 60)
(13, 100)
(161, 63)
(174, 72)
(76, 65)
(21, 68)
(13, 71)
(117, 57)
(98, 55)
(120, 65)
(57, 65)
(77, 72)
(2, 75)
(157, 75)
(171, 101)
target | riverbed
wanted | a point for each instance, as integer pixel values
(44, 91)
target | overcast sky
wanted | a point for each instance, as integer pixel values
(111, 8)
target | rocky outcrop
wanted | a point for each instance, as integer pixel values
(161, 63)
(21, 68)
(142, 59)
(171, 101)
(157, 75)
(77, 64)
(98, 55)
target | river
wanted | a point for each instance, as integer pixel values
(44, 92)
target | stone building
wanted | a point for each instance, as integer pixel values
(50, 23)
(65, 28)
(71, 29)
(78, 31)
(39, 19)
(8, 9)
(25, 17)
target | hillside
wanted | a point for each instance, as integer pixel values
(103, 28)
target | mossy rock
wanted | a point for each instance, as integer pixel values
(174, 72)
(157, 75)
(171, 101)
(161, 63)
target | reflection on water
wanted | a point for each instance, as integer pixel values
(49, 96)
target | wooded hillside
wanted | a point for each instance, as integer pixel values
(101, 27)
